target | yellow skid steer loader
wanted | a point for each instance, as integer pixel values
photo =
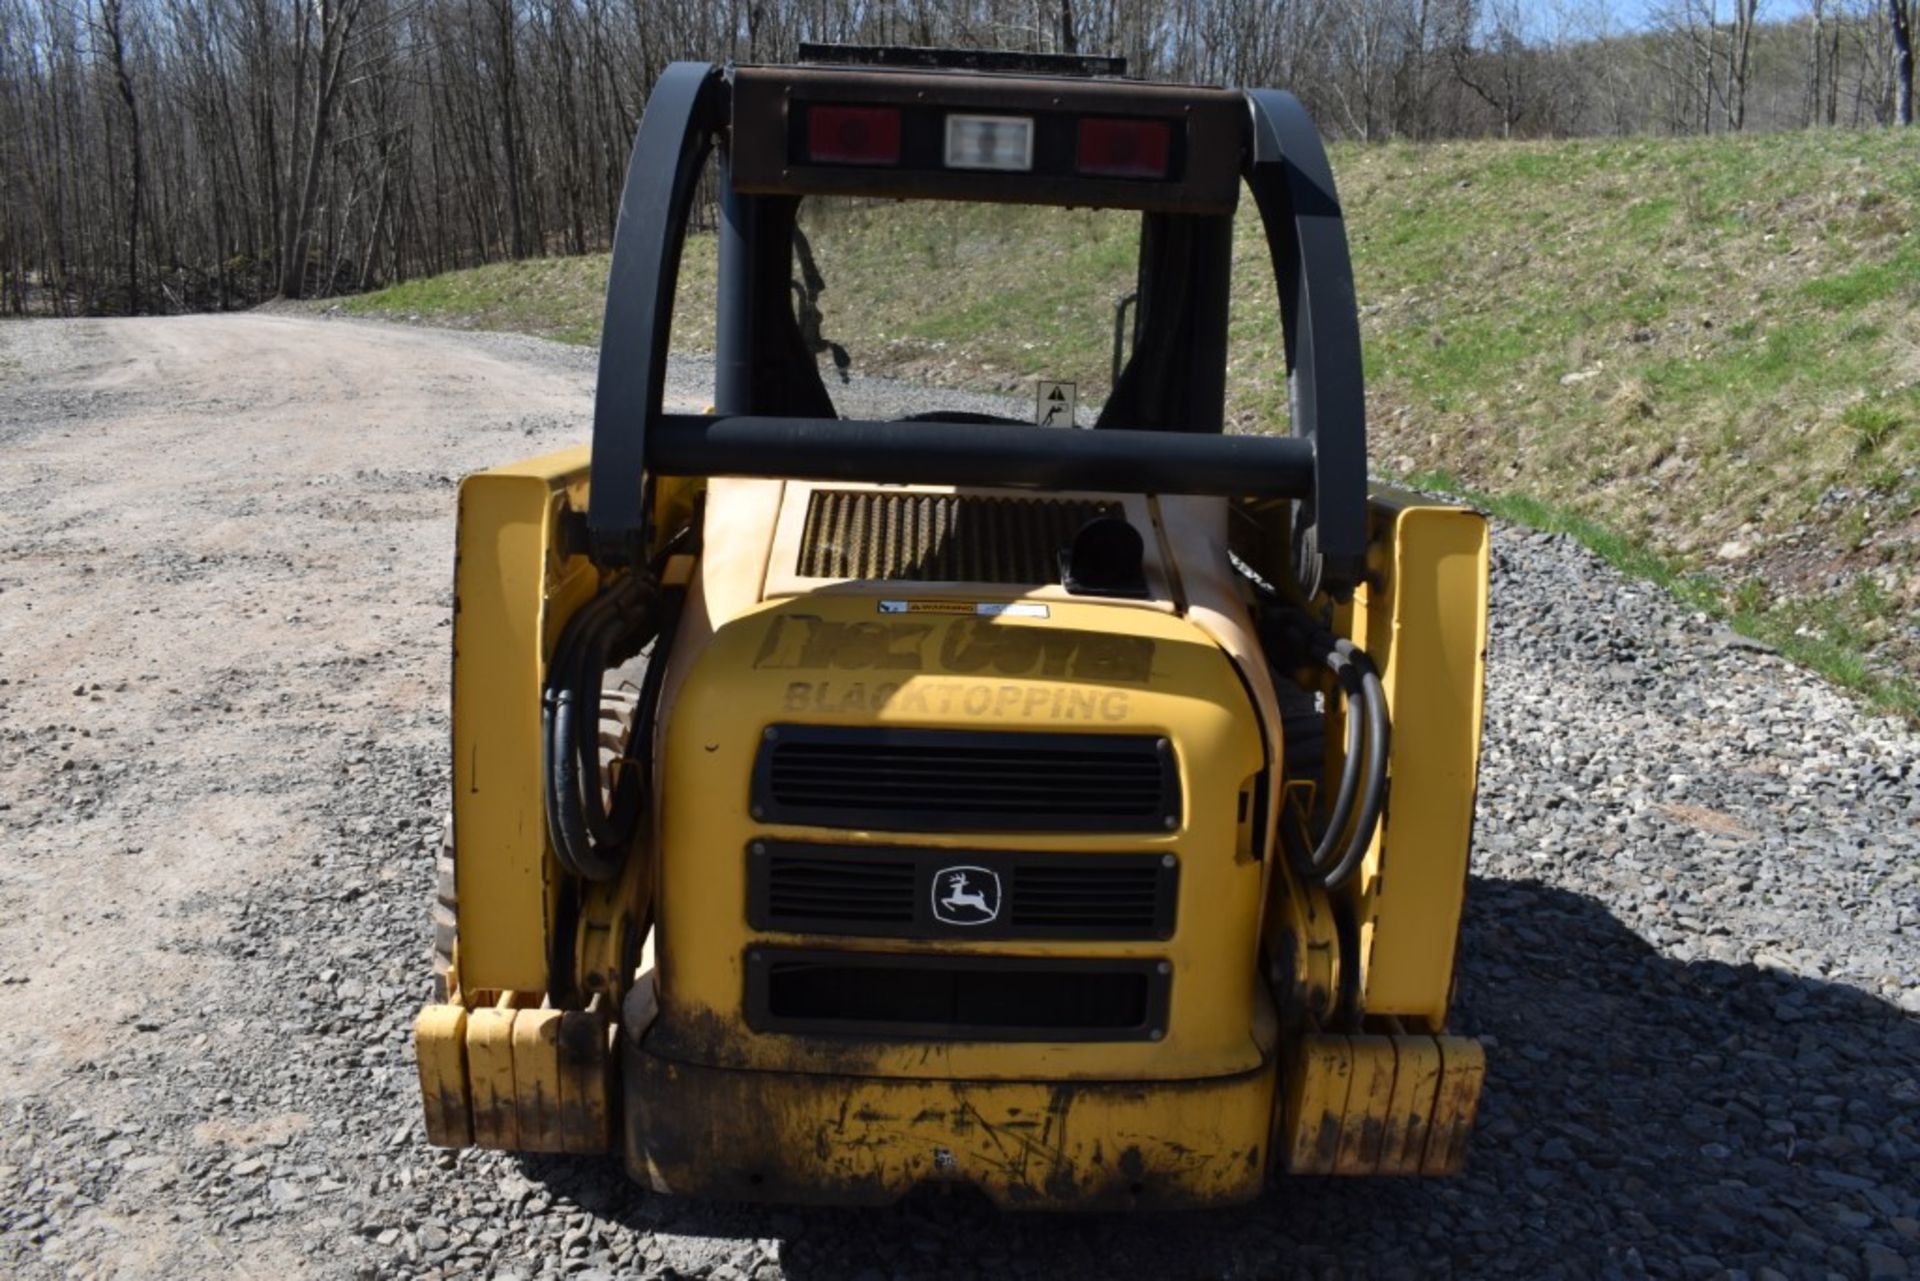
(842, 806)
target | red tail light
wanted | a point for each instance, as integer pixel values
(1125, 148)
(853, 135)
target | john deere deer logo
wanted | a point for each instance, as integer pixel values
(965, 896)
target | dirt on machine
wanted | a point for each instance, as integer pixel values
(847, 805)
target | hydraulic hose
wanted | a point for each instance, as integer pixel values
(1325, 853)
(591, 834)
(1373, 699)
(1343, 840)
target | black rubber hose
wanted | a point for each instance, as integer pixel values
(561, 822)
(1373, 800)
(1326, 850)
(591, 837)
(567, 822)
(562, 790)
(1344, 839)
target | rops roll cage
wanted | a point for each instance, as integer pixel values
(1321, 464)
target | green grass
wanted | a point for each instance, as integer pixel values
(1832, 635)
(553, 297)
(1702, 350)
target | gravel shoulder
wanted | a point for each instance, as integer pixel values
(1692, 936)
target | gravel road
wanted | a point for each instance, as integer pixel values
(1692, 937)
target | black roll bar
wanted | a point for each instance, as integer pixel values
(993, 454)
(1293, 187)
(1322, 464)
(676, 132)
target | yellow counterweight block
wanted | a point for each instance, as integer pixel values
(516, 1077)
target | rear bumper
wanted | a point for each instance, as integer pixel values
(714, 1132)
(513, 1077)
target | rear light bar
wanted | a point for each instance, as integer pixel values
(917, 135)
(853, 135)
(1124, 148)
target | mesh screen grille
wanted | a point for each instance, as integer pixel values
(893, 892)
(909, 780)
(940, 537)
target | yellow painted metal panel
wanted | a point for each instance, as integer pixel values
(1463, 1071)
(1318, 1077)
(536, 1081)
(511, 592)
(838, 1139)
(1425, 627)
(440, 1048)
(836, 660)
(1403, 1141)
(490, 1076)
(1369, 1095)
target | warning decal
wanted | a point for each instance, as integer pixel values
(1054, 403)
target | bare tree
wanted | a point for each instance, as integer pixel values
(189, 154)
(1502, 70)
(336, 30)
(112, 28)
(1740, 62)
(1900, 17)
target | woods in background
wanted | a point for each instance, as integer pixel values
(171, 155)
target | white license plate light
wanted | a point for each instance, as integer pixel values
(990, 142)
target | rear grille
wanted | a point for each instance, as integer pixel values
(1088, 899)
(940, 537)
(964, 781)
(801, 891)
(893, 893)
(956, 998)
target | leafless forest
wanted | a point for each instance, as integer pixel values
(168, 155)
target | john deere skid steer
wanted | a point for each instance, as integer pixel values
(846, 805)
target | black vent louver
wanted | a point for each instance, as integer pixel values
(888, 535)
(945, 997)
(1088, 899)
(793, 890)
(895, 780)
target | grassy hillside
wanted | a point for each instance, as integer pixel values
(1701, 356)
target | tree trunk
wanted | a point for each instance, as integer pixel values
(1740, 62)
(117, 49)
(336, 26)
(1902, 17)
(506, 71)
